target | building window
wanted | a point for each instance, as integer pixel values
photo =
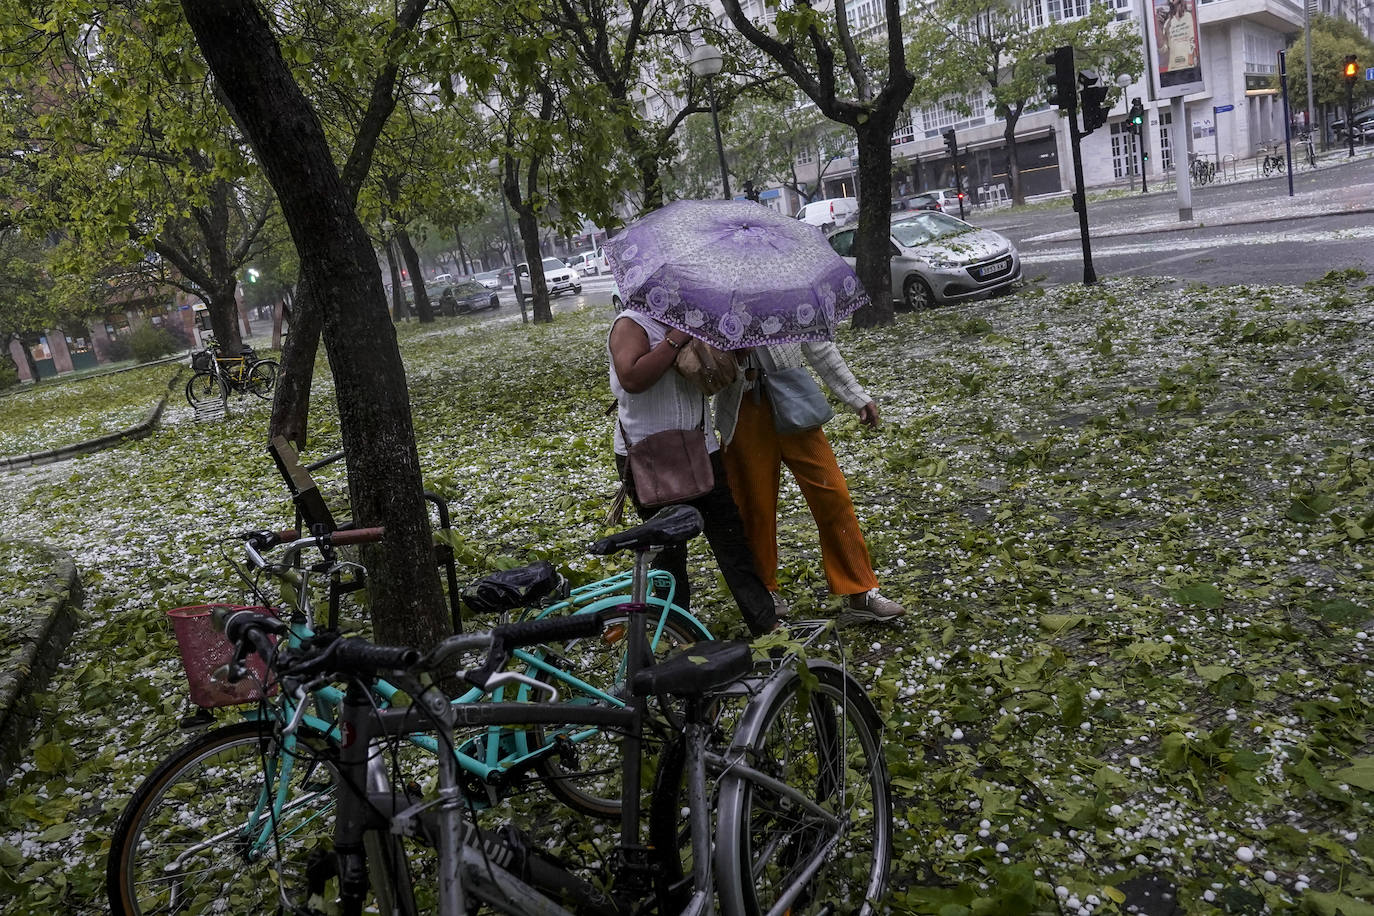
(1121, 150)
(903, 132)
(1262, 47)
(806, 155)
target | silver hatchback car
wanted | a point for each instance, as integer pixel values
(937, 258)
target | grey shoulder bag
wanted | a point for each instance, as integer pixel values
(798, 402)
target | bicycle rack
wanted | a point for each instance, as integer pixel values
(1233, 162)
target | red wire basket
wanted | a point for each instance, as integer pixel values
(204, 650)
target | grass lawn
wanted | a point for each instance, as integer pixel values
(58, 412)
(1133, 526)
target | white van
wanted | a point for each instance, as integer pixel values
(829, 213)
(590, 263)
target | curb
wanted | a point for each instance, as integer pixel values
(42, 647)
(140, 429)
(1069, 235)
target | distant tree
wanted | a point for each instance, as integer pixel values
(1332, 40)
(862, 85)
(770, 135)
(964, 48)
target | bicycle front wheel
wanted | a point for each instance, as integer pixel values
(199, 834)
(826, 834)
(262, 379)
(204, 387)
(584, 771)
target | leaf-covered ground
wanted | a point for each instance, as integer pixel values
(1133, 526)
(60, 412)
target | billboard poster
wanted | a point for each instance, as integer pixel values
(1177, 47)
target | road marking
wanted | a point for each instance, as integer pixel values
(1193, 246)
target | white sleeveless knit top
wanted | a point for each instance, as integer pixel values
(671, 403)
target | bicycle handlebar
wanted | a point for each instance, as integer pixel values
(255, 542)
(529, 633)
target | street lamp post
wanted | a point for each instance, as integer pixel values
(706, 62)
(510, 240)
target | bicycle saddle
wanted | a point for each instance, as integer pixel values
(672, 525)
(698, 669)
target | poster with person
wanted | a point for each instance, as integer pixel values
(1177, 48)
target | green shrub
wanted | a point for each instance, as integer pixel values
(148, 343)
(9, 374)
(119, 350)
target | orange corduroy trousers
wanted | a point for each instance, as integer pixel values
(753, 463)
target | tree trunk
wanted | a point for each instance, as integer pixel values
(222, 306)
(464, 262)
(875, 216)
(417, 278)
(398, 293)
(1018, 194)
(385, 485)
(291, 400)
(541, 308)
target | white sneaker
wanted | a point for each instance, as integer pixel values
(871, 607)
(781, 609)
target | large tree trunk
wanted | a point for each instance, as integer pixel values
(223, 308)
(1018, 194)
(423, 310)
(464, 262)
(385, 485)
(875, 216)
(291, 400)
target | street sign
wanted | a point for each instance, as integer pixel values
(1220, 108)
(1369, 73)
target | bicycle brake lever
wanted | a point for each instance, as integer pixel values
(505, 677)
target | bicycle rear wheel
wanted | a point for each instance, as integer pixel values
(205, 386)
(834, 844)
(584, 773)
(262, 378)
(198, 834)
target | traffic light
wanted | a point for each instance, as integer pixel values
(952, 143)
(1060, 90)
(1094, 98)
(1352, 68)
(1137, 116)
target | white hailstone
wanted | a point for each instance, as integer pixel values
(1351, 835)
(1362, 635)
(1073, 903)
(1086, 726)
(1115, 810)
(1061, 891)
(1135, 763)
(877, 646)
(957, 734)
(1140, 859)
(1300, 887)
(1094, 694)
(1092, 900)
(1002, 847)
(1209, 895)
(1168, 638)
(984, 824)
(1270, 876)
(1304, 879)
(987, 691)
(1245, 854)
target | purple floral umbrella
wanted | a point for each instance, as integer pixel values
(734, 273)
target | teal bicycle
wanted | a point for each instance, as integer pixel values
(247, 802)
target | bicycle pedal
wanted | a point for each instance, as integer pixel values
(566, 751)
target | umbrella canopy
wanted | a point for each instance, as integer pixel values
(734, 273)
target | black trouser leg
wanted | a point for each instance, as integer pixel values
(725, 533)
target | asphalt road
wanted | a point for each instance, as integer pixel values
(1280, 241)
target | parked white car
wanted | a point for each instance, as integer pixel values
(591, 263)
(559, 276)
(937, 258)
(829, 213)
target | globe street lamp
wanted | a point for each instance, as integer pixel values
(706, 62)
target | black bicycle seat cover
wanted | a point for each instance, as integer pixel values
(671, 525)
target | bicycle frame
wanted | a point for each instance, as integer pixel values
(505, 753)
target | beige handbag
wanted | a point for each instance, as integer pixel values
(704, 366)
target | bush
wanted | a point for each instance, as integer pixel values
(119, 350)
(9, 374)
(147, 343)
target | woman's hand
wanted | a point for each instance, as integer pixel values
(868, 415)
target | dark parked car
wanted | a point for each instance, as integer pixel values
(467, 296)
